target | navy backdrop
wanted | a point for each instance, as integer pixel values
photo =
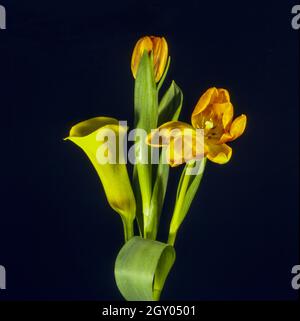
(62, 62)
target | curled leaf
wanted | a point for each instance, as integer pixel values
(142, 267)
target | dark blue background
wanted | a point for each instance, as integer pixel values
(62, 62)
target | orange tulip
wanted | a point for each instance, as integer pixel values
(159, 47)
(214, 115)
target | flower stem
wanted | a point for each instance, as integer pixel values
(178, 206)
(128, 229)
(187, 188)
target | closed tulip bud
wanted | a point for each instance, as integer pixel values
(155, 45)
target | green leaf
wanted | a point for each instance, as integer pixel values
(138, 198)
(142, 267)
(170, 105)
(158, 196)
(145, 95)
(164, 74)
(169, 109)
(187, 188)
(146, 115)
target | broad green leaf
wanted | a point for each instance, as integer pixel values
(146, 114)
(142, 267)
(169, 109)
(145, 95)
(187, 188)
(170, 105)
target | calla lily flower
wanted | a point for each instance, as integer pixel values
(90, 136)
(156, 45)
(214, 115)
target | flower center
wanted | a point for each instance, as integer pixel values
(209, 124)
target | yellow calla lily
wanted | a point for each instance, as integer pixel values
(214, 115)
(90, 136)
(159, 47)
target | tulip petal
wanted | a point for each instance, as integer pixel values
(202, 104)
(223, 112)
(219, 154)
(159, 47)
(160, 56)
(174, 154)
(186, 147)
(227, 115)
(143, 44)
(238, 126)
(223, 96)
(162, 135)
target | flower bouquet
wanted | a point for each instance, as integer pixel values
(161, 142)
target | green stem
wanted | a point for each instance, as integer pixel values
(128, 229)
(164, 75)
(171, 238)
(179, 202)
(187, 188)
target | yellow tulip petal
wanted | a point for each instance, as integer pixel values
(143, 44)
(174, 152)
(202, 104)
(227, 115)
(238, 127)
(162, 135)
(183, 148)
(219, 154)
(223, 96)
(223, 113)
(226, 137)
(160, 56)
(159, 47)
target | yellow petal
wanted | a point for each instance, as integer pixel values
(162, 135)
(227, 115)
(223, 96)
(143, 44)
(159, 47)
(202, 104)
(174, 153)
(86, 127)
(223, 112)
(238, 127)
(219, 154)
(186, 147)
(160, 56)
(114, 177)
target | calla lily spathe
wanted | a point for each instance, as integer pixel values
(214, 115)
(158, 47)
(114, 177)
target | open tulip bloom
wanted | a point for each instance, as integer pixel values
(161, 142)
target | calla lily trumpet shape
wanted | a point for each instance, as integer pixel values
(90, 136)
(214, 115)
(158, 47)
